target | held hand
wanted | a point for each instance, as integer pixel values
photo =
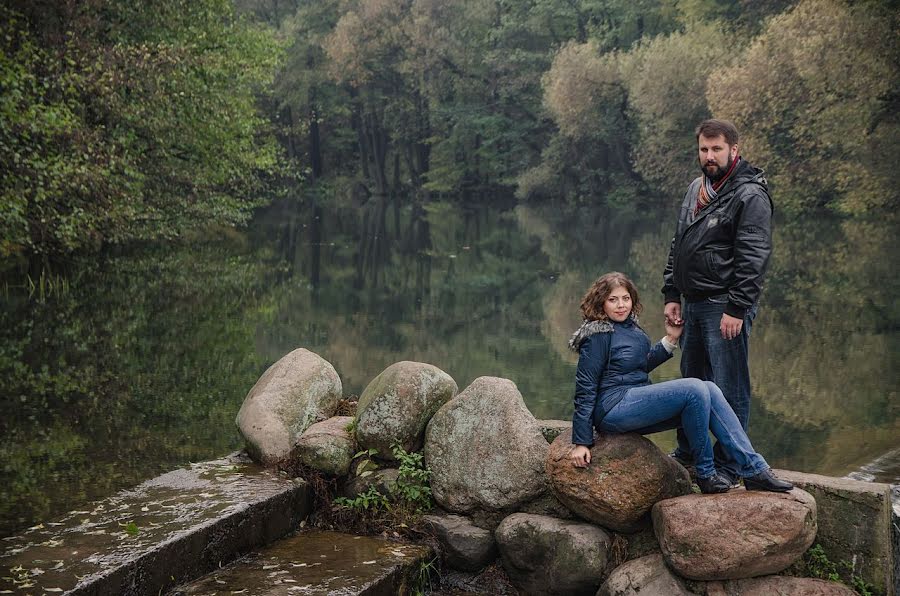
(673, 331)
(673, 313)
(730, 326)
(580, 455)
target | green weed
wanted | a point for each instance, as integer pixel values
(818, 565)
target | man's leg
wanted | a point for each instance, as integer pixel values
(729, 362)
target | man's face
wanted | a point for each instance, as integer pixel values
(716, 156)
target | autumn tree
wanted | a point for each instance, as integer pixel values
(666, 78)
(816, 98)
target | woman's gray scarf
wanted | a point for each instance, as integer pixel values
(589, 328)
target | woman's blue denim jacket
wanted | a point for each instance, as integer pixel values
(612, 358)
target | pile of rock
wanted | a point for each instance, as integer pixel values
(503, 490)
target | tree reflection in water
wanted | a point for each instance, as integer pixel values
(143, 363)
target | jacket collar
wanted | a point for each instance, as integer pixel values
(589, 328)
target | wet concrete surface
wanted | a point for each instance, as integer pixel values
(319, 562)
(165, 531)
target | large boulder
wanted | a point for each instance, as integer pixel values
(485, 450)
(396, 406)
(465, 546)
(300, 389)
(777, 585)
(545, 555)
(646, 576)
(734, 535)
(626, 476)
(327, 446)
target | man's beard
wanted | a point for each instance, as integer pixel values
(718, 173)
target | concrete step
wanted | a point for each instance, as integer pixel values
(166, 531)
(319, 562)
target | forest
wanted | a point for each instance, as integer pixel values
(128, 121)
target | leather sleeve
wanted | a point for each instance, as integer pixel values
(670, 292)
(752, 249)
(592, 360)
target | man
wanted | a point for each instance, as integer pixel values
(717, 262)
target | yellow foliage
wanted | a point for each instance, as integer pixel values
(812, 94)
(577, 87)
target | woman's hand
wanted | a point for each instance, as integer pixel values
(580, 455)
(673, 331)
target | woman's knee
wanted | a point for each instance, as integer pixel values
(698, 391)
(716, 397)
(714, 390)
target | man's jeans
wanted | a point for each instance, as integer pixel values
(697, 407)
(707, 356)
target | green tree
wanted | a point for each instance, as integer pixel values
(128, 120)
(586, 97)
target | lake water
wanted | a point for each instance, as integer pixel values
(136, 362)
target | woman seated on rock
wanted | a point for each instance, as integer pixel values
(613, 392)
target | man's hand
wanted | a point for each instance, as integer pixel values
(730, 326)
(673, 313)
(580, 455)
(673, 331)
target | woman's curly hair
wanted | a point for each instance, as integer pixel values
(592, 303)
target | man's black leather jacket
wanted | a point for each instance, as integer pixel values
(726, 248)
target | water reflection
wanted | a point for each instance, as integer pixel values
(143, 364)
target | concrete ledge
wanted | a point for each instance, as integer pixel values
(854, 524)
(165, 531)
(318, 562)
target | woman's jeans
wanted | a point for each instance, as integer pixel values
(697, 407)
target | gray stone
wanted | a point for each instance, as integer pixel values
(626, 476)
(553, 428)
(327, 446)
(734, 535)
(545, 555)
(294, 393)
(854, 520)
(384, 481)
(319, 563)
(646, 576)
(778, 585)
(640, 544)
(485, 449)
(167, 530)
(465, 546)
(396, 406)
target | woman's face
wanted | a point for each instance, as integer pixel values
(617, 305)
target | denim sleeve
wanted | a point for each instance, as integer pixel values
(658, 354)
(591, 361)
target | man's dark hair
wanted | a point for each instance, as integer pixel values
(714, 127)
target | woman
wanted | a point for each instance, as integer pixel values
(613, 392)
